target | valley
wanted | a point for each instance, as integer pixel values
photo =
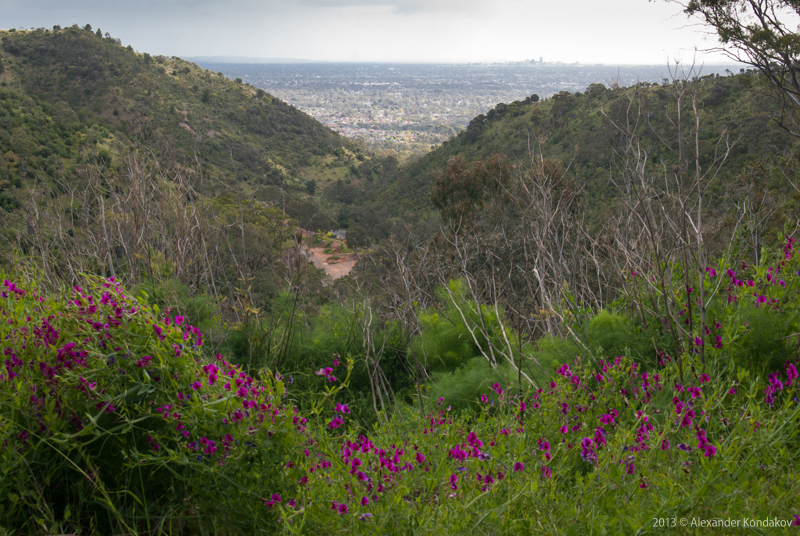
(406, 299)
(411, 108)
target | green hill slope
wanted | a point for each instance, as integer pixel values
(579, 130)
(169, 104)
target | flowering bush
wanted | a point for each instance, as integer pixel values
(612, 449)
(111, 418)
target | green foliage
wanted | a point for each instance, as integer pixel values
(100, 429)
(752, 316)
(579, 133)
(504, 467)
(610, 332)
(227, 130)
(763, 343)
(551, 350)
(122, 424)
(462, 329)
(462, 388)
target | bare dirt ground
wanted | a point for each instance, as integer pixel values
(336, 264)
(334, 268)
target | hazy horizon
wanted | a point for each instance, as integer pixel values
(624, 32)
(261, 60)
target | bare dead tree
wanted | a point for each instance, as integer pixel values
(663, 212)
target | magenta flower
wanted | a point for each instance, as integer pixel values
(342, 509)
(453, 482)
(711, 450)
(791, 372)
(546, 472)
(335, 423)
(420, 458)
(158, 332)
(197, 386)
(473, 440)
(518, 466)
(364, 501)
(606, 419)
(687, 419)
(684, 448)
(564, 429)
(796, 520)
(273, 500)
(484, 399)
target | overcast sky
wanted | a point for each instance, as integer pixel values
(587, 31)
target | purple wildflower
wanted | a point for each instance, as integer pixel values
(453, 482)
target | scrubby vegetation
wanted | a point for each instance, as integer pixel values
(115, 419)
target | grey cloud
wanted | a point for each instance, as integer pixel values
(398, 6)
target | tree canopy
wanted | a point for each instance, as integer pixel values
(760, 33)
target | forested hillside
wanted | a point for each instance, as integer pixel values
(73, 96)
(587, 133)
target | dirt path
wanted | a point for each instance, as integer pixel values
(334, 268)
(335, 263)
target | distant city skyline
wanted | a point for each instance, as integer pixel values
(455, 31)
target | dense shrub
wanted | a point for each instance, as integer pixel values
(112, 420)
